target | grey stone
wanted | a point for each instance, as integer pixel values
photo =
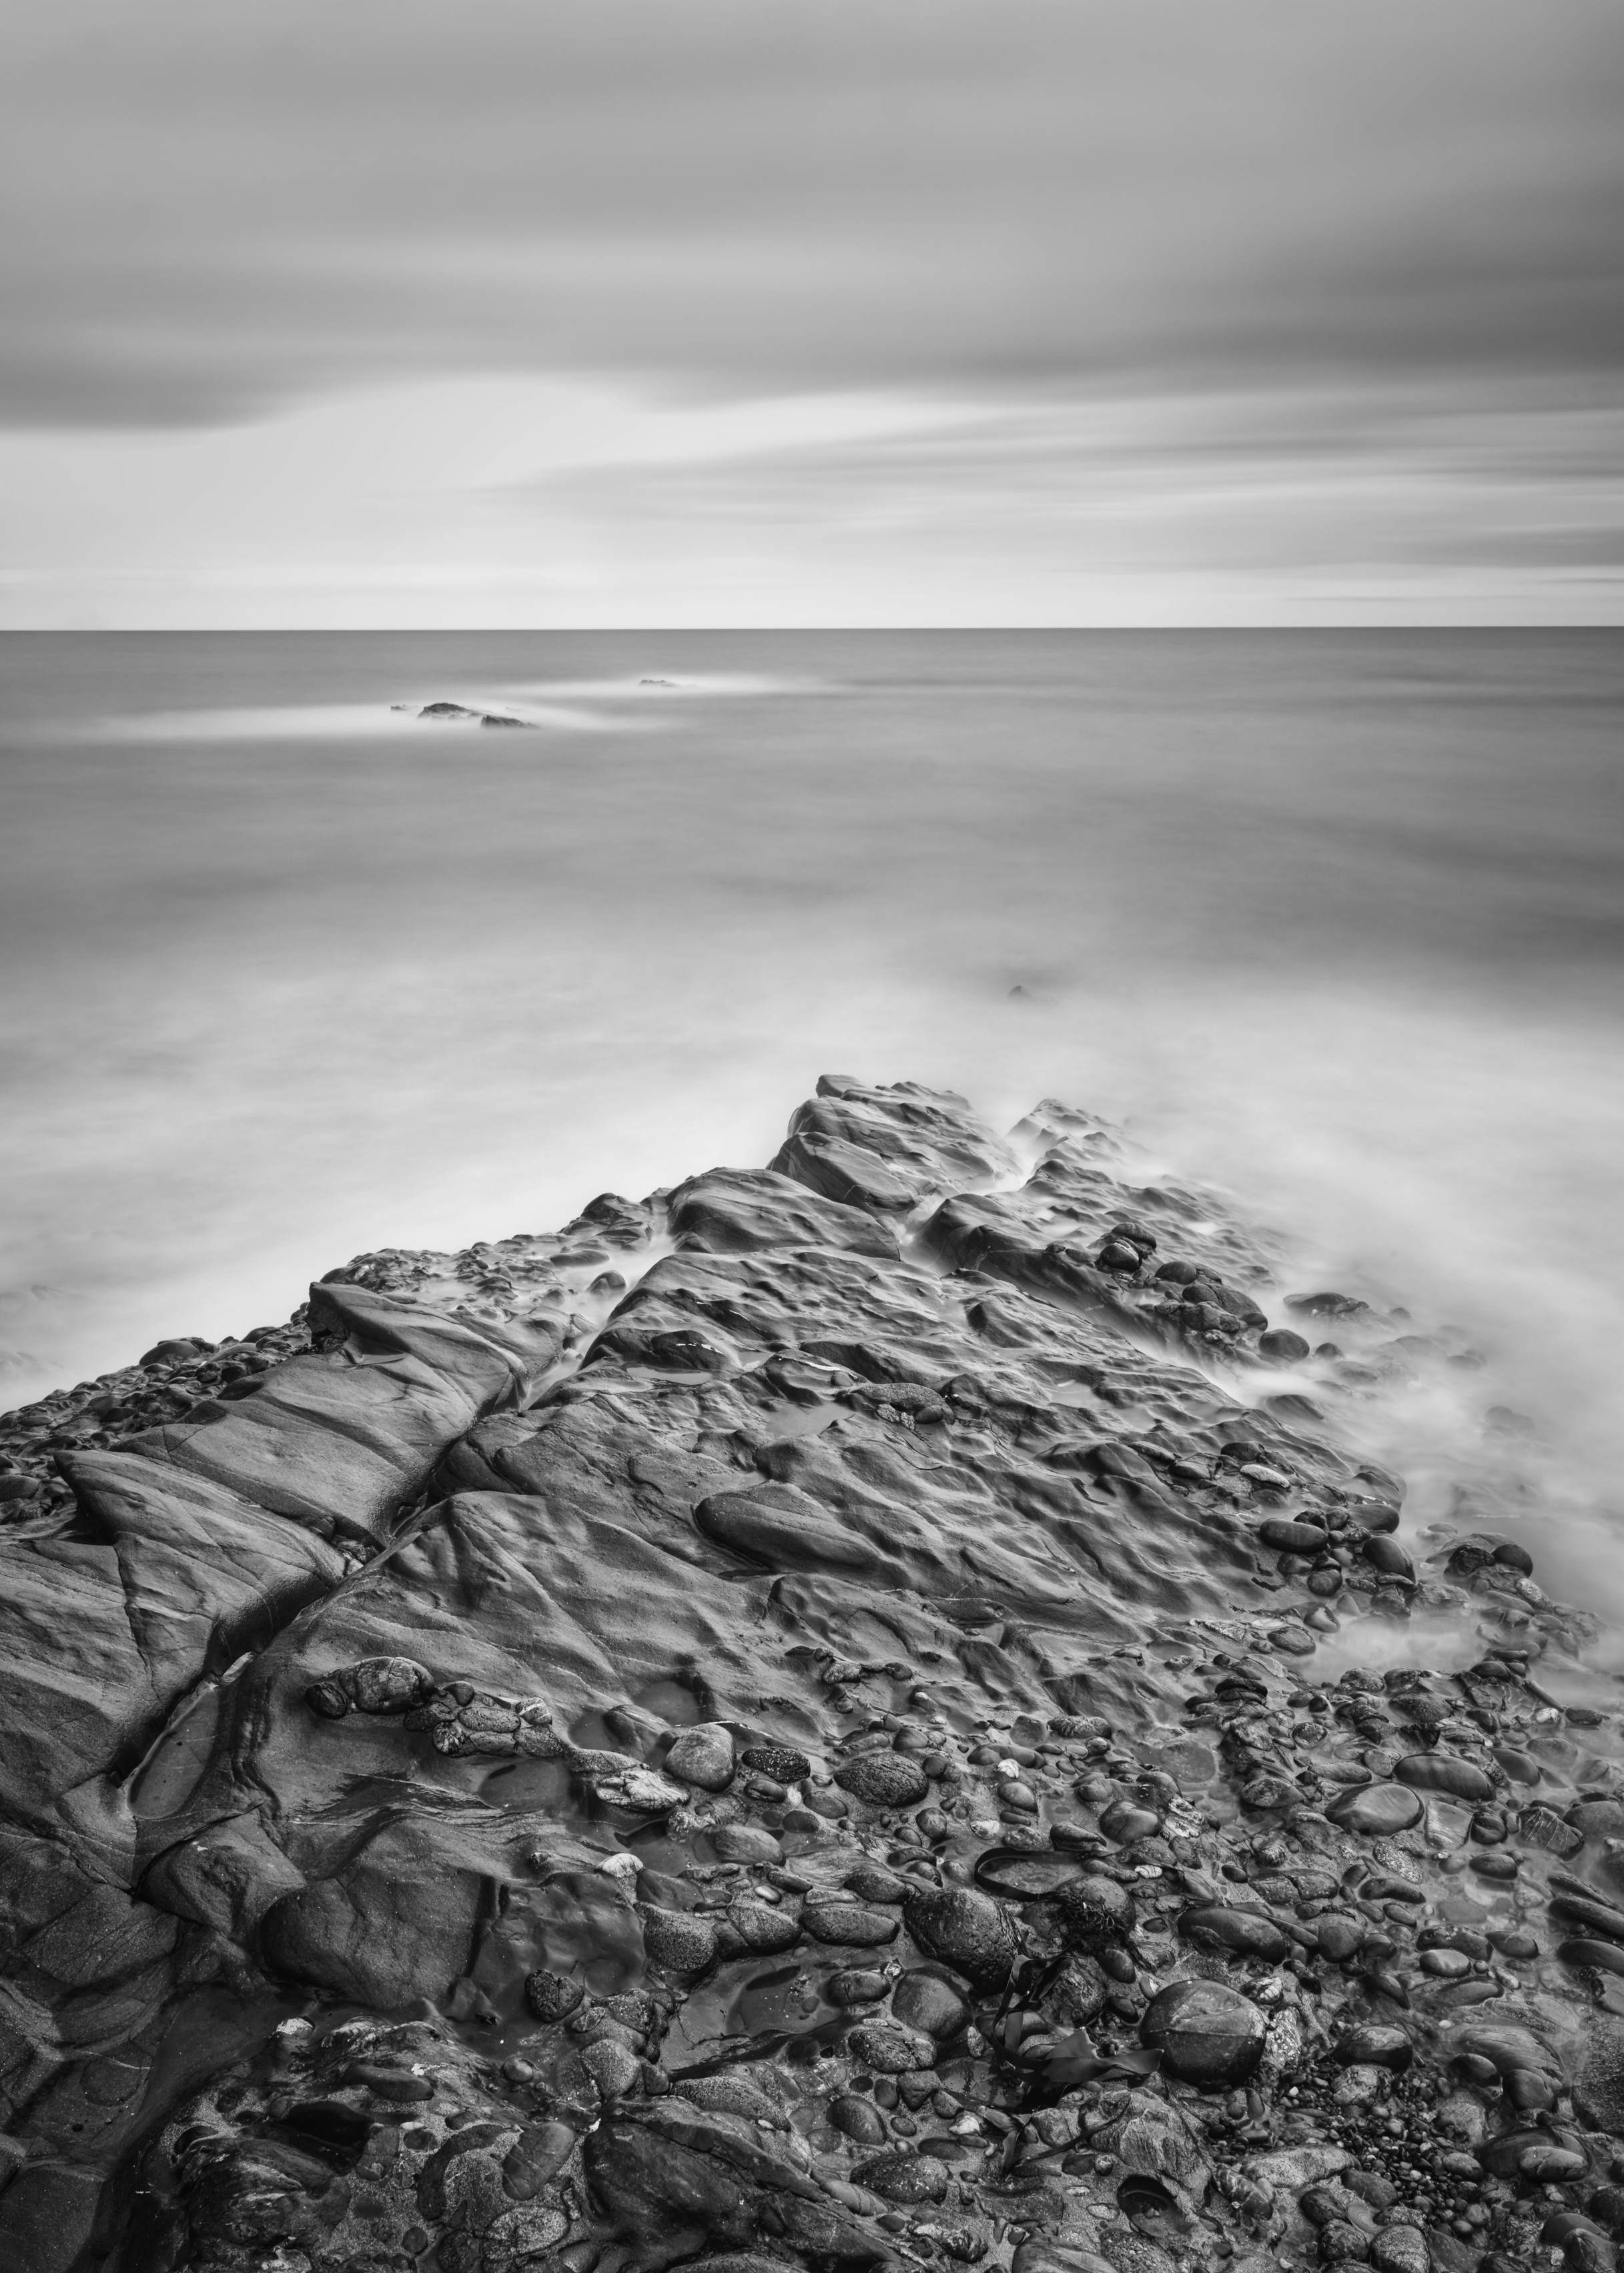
(702, 1755)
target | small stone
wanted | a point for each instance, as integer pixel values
(550, 1996)
(963, 1929)
(613, 2067)
(903, 2178)
(1339, 1936)
(855, 1985)
(891, 2050)
(1400, 2249)
(1550, 2166)
(1375, 2046)
(536, 2158)
(762, 1928)
(883, 1780)
(1282, 1536)
(746, 1842)
(1092, 1909)
(1441, 1771)
(858, 2117)
(1376, 1809)
(681, 1943)
(702, 1755)
(781, 1762)
(924, 2001)
(1207, 2033)
(1124, 1822)
(871, 1883)
(851, 1923)
(1242, 1933)
(1384, 1555)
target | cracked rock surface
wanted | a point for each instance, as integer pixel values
(826, 1719)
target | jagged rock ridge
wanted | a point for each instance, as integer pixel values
(673, 1742)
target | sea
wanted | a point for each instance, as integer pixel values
(1332, 922)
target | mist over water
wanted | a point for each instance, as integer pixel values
(1334, 921)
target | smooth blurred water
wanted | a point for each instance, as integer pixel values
(1336, 920)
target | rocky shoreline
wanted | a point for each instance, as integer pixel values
(813, 1721)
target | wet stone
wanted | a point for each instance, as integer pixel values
(762, 1928)
(872, 1884)
(858, 2117)
(536, 2158)
(677, 1940)
(550, 1996)
(1092, 1909)
(885, 1779)
(855, 1986)
(1440, 1771)
(903, 2178)
(922, 2001)
(1208, 2034)
(889, 2049)
(703, 1755)
(781, 1762)
(1377, 1811)
(1375, 2046)
(851, 1923)
(746, 1842)
(963, 1930)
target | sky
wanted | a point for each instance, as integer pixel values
(507, 312)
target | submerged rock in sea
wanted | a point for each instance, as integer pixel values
(787, 1725)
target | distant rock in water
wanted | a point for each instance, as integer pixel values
(460, 710)
(782, 1726)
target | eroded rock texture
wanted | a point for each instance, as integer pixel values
(783, 1726)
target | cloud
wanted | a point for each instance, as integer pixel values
(527, 307)
(228, 208)
(481, 501)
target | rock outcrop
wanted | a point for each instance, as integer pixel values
(782, 1727)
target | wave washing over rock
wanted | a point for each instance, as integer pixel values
(777, 1727)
